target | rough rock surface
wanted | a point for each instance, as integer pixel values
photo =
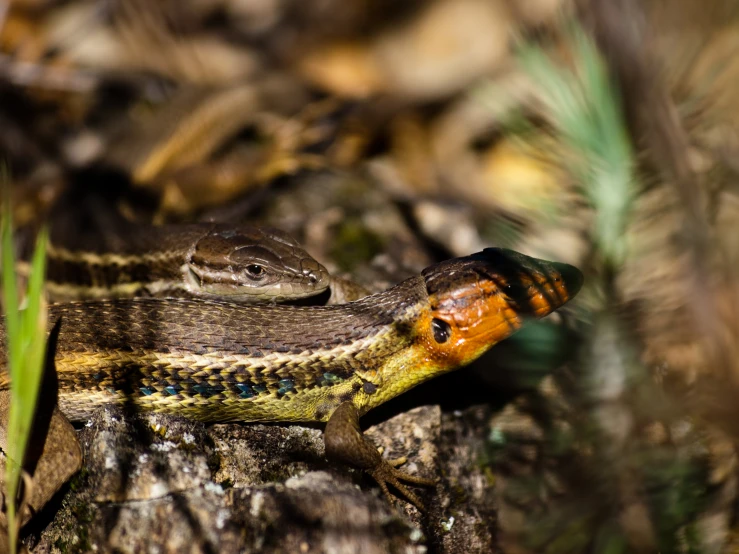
(464, 514)
(155, 483)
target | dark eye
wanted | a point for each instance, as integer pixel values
(516, 292)
(255, 270)
(441, 329)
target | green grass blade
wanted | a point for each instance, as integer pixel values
(26, 336)
(585, 113)
(33, 322)
(10, 288)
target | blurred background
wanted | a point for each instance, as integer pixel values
(386, 136)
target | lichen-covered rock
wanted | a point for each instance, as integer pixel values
(260, 454)
(316, 513)
(131, 458)
(155, 483)
(464, 515)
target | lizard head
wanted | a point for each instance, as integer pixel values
(478, 300)
(251, 264)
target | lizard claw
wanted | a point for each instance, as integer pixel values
(397, 462)
(386, 473)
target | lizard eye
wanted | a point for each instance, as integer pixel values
(442, 330)
(517, 292)
(255, 270)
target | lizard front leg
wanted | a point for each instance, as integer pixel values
(346, 443)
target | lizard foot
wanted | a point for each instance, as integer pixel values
(386, 473)
(346, 443)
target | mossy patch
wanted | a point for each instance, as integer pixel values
(355, 244)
